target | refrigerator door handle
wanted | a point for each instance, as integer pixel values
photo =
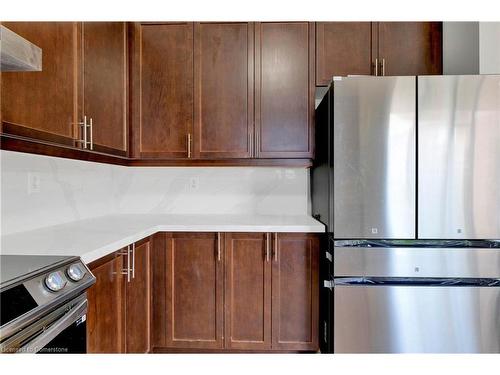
(328, 284)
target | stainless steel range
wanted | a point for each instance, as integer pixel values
(43, 304)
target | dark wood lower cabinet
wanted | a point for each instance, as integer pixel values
(248, 291)
(138, 301)
(295, 285)
(207, 292)
(119, 312)
(106, 311)
(238, 292)
(194, 291)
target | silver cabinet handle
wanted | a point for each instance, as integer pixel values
(383, 67)
(127, 270)
(87, 127)
(84, 131)
(189, 141)
(376, 66)
(133, 261)
(128, 263)
(218, 246)
(91, 134)
(268, 240)
(275, 247)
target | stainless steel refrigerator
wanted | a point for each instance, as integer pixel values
(407, 181)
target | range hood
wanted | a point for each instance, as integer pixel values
(17, 53)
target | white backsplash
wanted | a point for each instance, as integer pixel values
(73, 190)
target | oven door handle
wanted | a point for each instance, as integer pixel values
(55, 329)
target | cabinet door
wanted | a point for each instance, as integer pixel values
(284, 92)
(105, 84)
(138, 301)
(248, 291)
(410, 48)
(223, 111)
(162, 87)
(343, 48)
(295, 291)
(194, 293)
(43, 105)
(105, 309)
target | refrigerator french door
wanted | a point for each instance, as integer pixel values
(374, 141)
(407, 161)
(459, 157)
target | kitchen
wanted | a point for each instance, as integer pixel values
(250, 186)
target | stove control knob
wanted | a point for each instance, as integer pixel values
(75, 272)
(55, 281)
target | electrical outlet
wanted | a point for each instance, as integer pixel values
(194, 183)
(34, 183)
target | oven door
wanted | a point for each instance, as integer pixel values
(61, 331)
(416, 319)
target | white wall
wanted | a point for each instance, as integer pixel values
(69, 190)
(242, 190)
(471, 48)
(73, 190)
(489, 47)
(460, 48)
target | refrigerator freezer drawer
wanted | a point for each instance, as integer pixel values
(415, 319)
(374, 157)
(459, 157)
(423, 262)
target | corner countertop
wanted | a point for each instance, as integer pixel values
(94, 238)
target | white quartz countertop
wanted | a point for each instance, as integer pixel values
(94, 238)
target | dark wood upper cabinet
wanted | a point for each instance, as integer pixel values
(162, 87)
(106, 311)
(213, 92)
(410, 48)
(43, 105)
(223, 96)
(284, 89)
(377, 48)
(194, 291)
(248, 291)
(138, 300)
(342, 48)
(295, 291)
(105, 77)
(223, 93)
(84, 73)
